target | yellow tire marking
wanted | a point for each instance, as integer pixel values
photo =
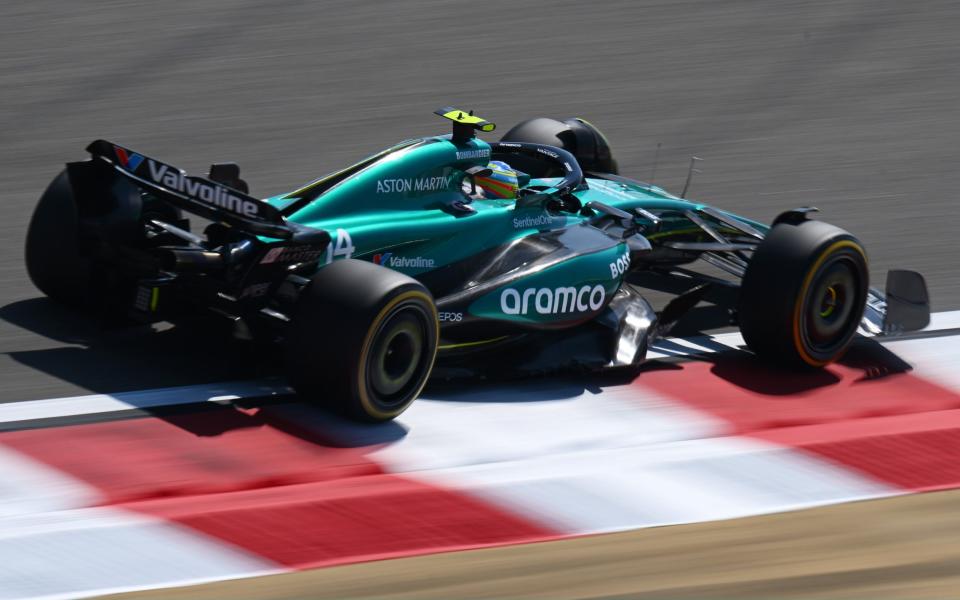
(797, 337)
(365, 401)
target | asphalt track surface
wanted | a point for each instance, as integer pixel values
(849, 106)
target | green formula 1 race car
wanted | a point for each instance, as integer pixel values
(518, 256)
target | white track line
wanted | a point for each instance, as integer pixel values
(933, 361)
(611, 459)
(54, 545)
(30, 487)
(12, 412)
(708, 344)
(944, 320)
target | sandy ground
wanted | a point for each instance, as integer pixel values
(906, 547)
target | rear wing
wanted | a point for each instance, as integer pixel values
(198, 195)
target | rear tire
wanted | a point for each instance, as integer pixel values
(575, 135)
(803, 294)
(54, 260)
(362, 340)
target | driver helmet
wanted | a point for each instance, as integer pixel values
(501, 184)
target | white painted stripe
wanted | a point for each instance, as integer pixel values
(503, 424)
(12, 412)
(53, 545)
(708, 344)
(605, 460)
(935, 359)
(623, 457)
(30, 487)
(944, 320)
(664, 484)
(93, 551)
(106, 403)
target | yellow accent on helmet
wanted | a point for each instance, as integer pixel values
(465, 118)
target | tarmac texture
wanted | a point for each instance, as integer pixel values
(849, 106)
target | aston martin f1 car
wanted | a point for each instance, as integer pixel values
(367, 277)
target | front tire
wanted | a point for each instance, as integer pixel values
(803, 294)
(362, 340)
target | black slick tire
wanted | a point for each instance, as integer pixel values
(803, 294)
(53, 255)
(362, 340)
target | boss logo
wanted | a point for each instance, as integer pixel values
(620, 266)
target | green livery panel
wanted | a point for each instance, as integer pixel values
(571, 291)
(409, 208)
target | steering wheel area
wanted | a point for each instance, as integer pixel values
(559, 196)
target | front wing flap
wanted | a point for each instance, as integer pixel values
(904, 307)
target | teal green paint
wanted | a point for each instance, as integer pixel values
(391, 207)
(568, 291)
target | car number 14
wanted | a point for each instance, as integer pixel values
(343, 248)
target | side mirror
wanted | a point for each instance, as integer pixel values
(473, 173)
(645, 215)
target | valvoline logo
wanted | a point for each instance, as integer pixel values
(387, 259)
(128, 160)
